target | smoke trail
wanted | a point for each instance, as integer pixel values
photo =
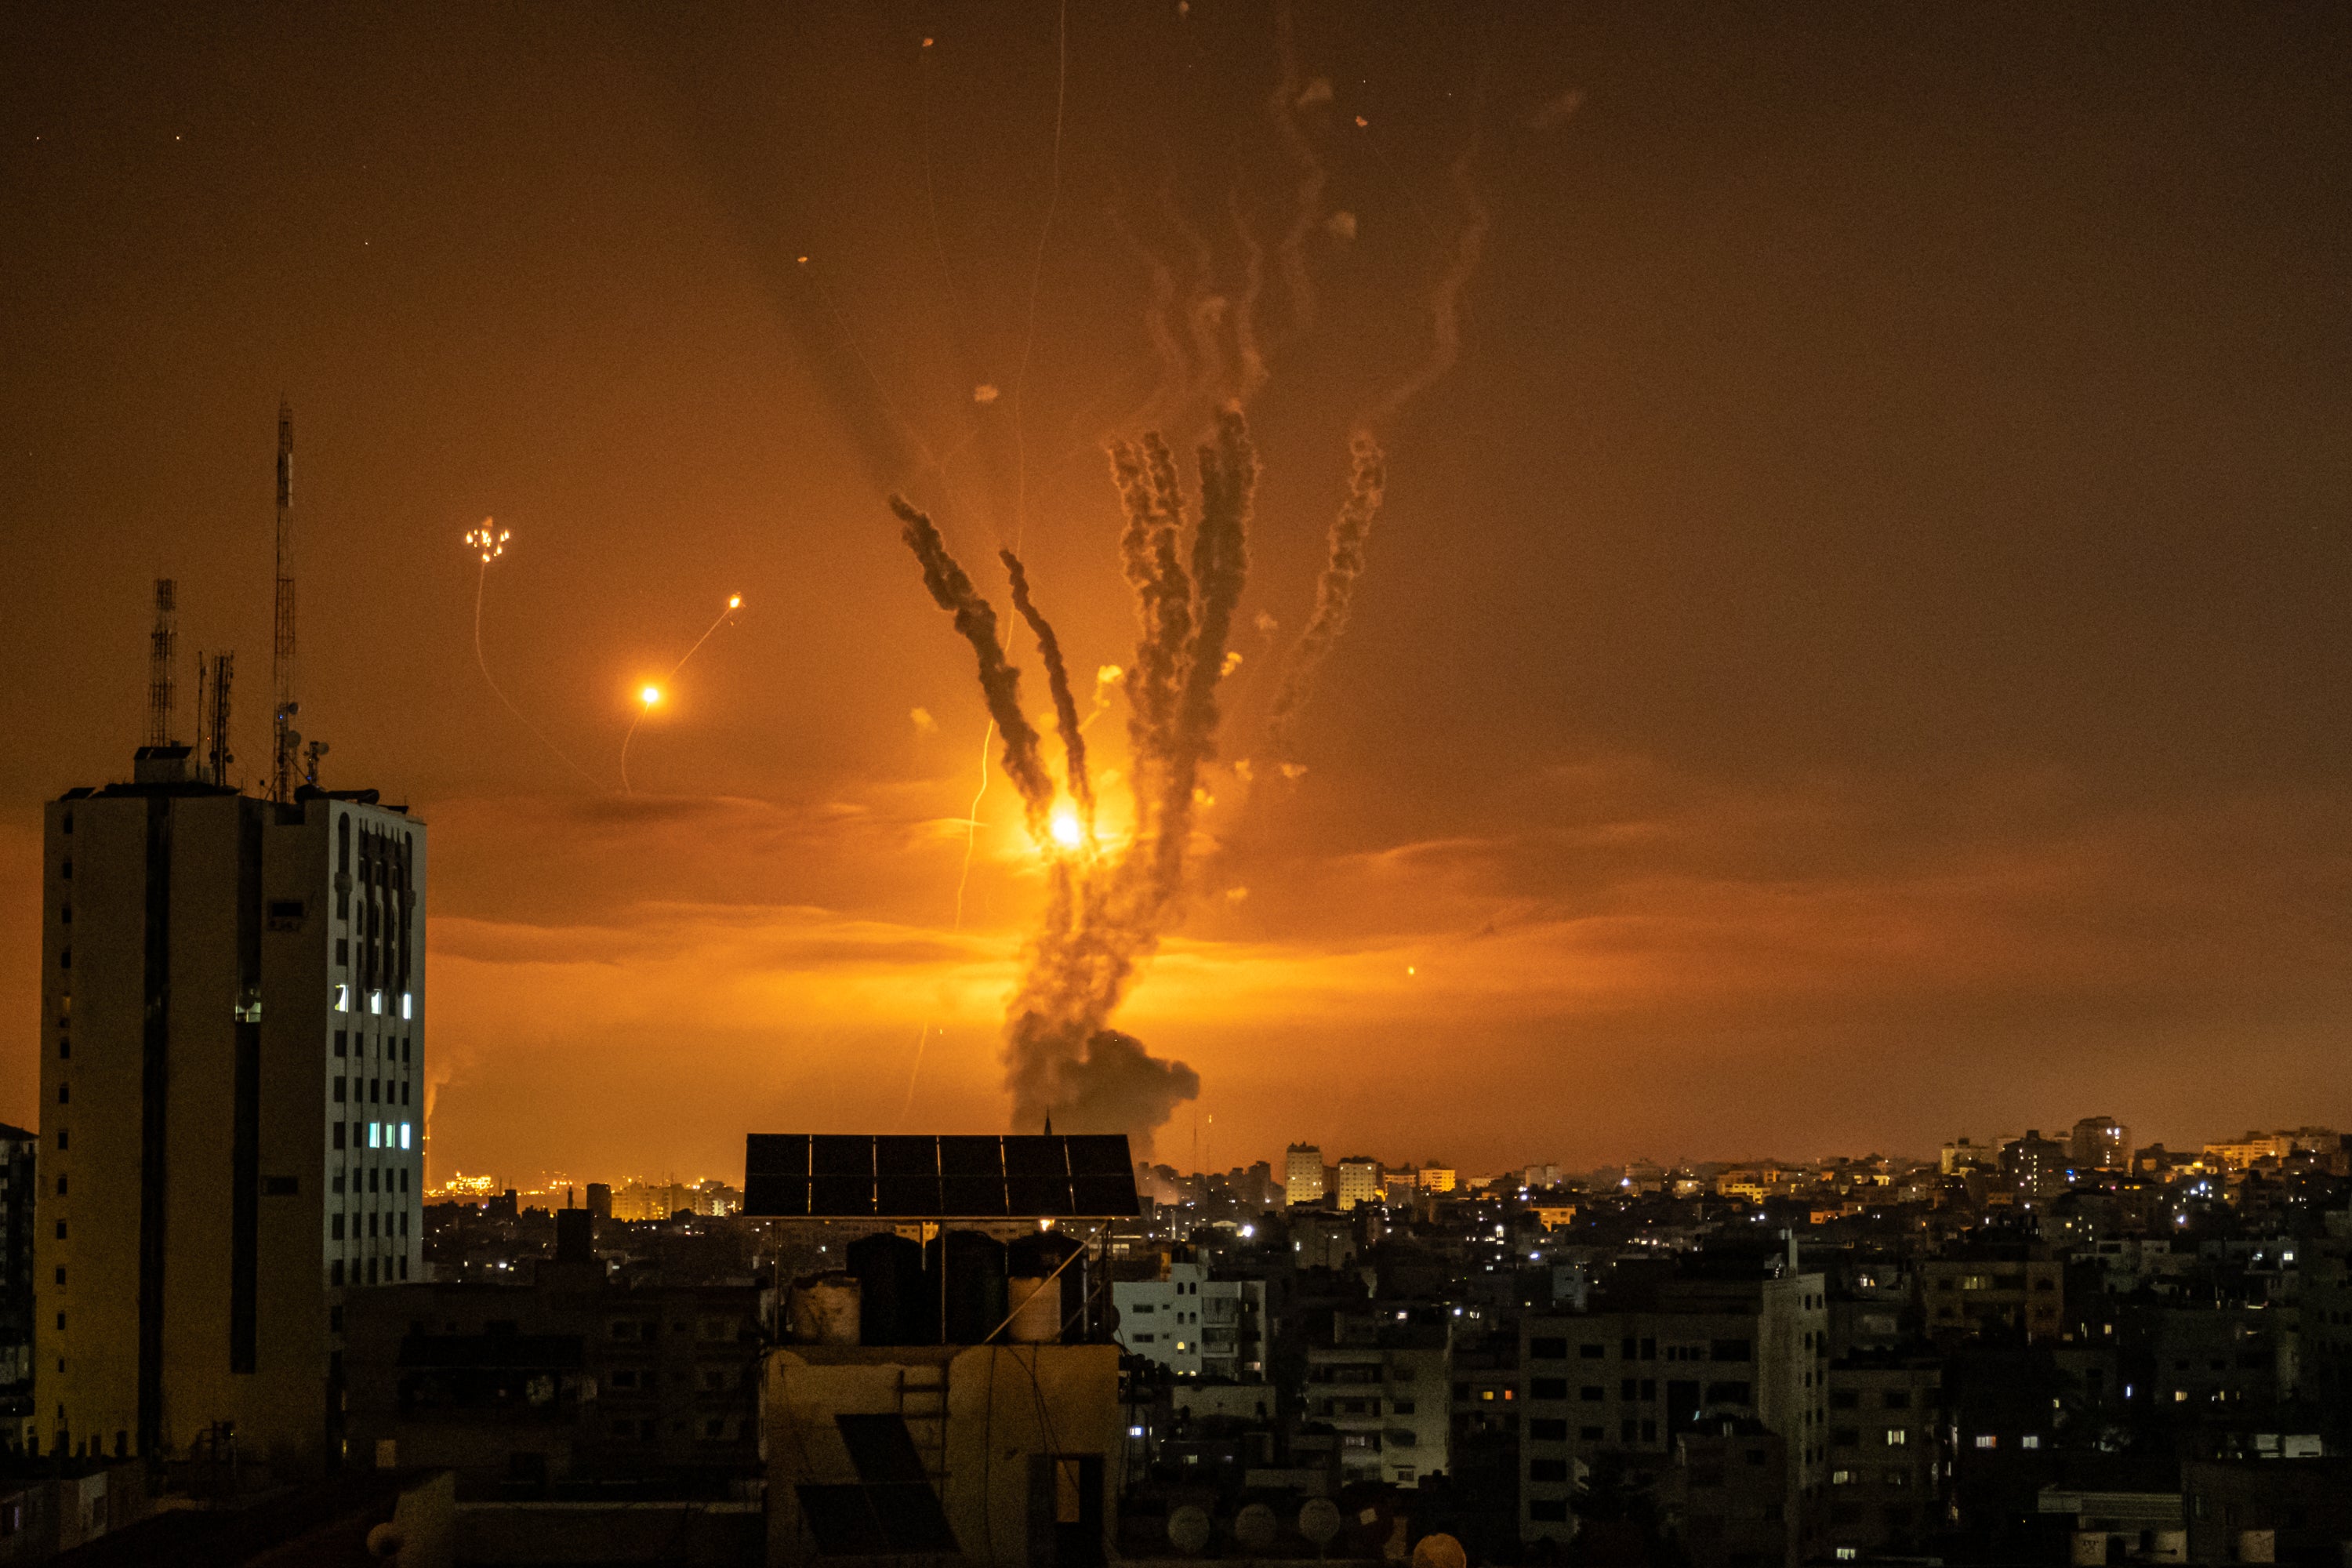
(1000, 683)
(1334, 590)
(1446, 298)
(1057, 681)
(1284, 106)
(1106, 912)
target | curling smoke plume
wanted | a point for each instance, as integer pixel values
(1335, 590)
(1106, 912)
(1000, 683)
(1057, 682)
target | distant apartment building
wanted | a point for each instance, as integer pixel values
(232, 1043)
(1884, 1455)
(569, 1379)
(1390, 1403)
(1628, 1377)
(1360, 1182)
(18, 1167)
(2034, 1166)
(1994, 1291)
(2100, 1144)
(1194, 1325)
(1302, 1177)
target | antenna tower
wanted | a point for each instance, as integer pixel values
(161, 691)
(285, 740)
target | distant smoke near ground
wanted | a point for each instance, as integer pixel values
(1107, 908)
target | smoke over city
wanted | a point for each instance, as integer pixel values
(1108, 905)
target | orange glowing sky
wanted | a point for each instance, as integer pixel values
(1855, 652)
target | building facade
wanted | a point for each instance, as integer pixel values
(232, 1043)
(1302, 1175)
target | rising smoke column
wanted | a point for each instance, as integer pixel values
(1105, 913)
(1057, 681)
(1335, 590)
(1000, 683)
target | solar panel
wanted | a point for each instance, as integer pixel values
(953, 1176)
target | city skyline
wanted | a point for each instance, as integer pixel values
(1853, 649)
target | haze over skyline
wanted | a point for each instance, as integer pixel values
(1856, 650)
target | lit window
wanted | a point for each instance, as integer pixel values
(403, 1134)
(375, 1134)
(342, 998)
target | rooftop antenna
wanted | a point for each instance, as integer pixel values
(161, 692)
(281, 666)
(212, 716)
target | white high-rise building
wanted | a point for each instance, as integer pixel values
(1302, 1175)
(232, 1060)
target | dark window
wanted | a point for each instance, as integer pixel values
(1547, 1388)
(1548, 1349)
(1547, 1470)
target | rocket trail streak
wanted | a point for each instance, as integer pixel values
(1334, 590)
(481, 582)
(1000, 683)
(1057, 681)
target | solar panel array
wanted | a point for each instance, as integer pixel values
(824, 1176)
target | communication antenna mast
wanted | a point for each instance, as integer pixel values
(161, 692)
(284, 739)
(211, 717)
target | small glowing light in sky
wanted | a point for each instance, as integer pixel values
(650, 695)
(1065, 830)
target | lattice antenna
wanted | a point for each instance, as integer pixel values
(162, 690)
(284, 739)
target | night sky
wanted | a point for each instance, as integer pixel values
(1855, 651)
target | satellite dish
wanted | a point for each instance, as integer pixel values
(1319, 1521)
(1188, 1529)
(1255, 1527)
(1440, 1551)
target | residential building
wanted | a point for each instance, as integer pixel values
(2034, 1166)
(2100, 1144)
(1627, 1377)
(1388, 1397)
(232, 1044)
(1360, 1182)
(1994, 1290)
(1195, 1326)
(18, 1165)
(569, 1378)
(1302, 1177)
(1883, 1459)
